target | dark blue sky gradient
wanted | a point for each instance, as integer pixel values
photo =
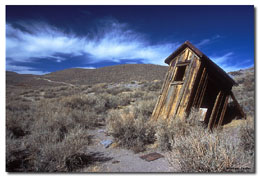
(224, 30)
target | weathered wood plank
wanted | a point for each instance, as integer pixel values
(171, 76)
(202, 94)
(223, 111)
(184, 55)
(219, 108)
(195, 85)
(212, 116)
(196, 98)
(156, 107)
(191, 53)
(164, 81)
(183, 63)
(172, 102)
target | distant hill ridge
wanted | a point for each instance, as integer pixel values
(78, 76)
(110, 74)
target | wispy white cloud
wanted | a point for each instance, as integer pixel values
(115, 43)
(207, 41)
(222, 59)
(57, 58)
(231, 68)
(228, 63)
(203, 42)
(39, 41)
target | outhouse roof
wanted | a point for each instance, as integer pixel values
(202, 56)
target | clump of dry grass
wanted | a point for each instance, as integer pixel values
(226, 150)
(20, 116)
(167, 131)
(51, 156)
(156, 85)
(130, 126)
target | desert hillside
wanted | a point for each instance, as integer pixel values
(77, 76)
(245, 91)
(111, 74)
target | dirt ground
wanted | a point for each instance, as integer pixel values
(116, 159)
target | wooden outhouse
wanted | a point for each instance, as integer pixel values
(194, 81)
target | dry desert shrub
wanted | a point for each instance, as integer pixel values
(117, 90)
(167, 131)
(52, 155)
(55, 132)
(98, 88)
(155, 85)
(130, 126)
(20, 116)
(226, 150)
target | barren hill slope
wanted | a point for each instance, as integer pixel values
(77, 76)
(111, 74)
(25, 80)
(245, 91)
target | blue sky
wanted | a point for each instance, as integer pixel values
(43, 39)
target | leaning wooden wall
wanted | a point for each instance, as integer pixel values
(174, 96)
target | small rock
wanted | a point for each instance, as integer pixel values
(106, 143)
(115, 162)
(101, 130)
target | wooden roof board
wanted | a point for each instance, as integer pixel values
(202, 56)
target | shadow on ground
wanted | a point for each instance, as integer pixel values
(80, 160)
